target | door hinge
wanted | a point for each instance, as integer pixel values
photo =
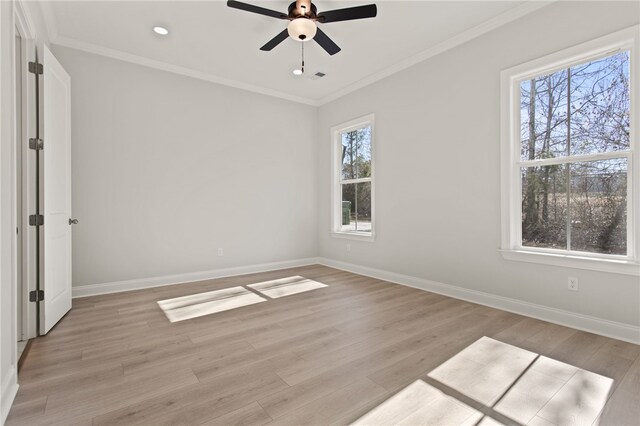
(35, 68)
(36, 144)
(36, 220)
(36, 295)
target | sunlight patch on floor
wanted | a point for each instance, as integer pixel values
(492, 383)
(419, 404)
(197, 305)
(286, 286)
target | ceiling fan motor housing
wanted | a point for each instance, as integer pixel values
(302, 26)
(302, 8)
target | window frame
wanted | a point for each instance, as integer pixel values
(337, 182)
(511, 163)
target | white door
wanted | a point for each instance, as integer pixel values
(56, 184)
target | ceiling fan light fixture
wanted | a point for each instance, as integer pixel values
(302, 29)
(298, 71)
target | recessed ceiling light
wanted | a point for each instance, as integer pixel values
(160, 30)
(297, 72)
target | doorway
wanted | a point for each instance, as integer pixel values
(23, 181)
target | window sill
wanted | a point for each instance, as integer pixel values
(625, 267)
(353, 236)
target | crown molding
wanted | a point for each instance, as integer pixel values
(463, 37)
(483, 28)
(176, 69)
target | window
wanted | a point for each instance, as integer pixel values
(569, 144)
(353, 208)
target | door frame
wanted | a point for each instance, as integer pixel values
(23, 28)
(18, 82)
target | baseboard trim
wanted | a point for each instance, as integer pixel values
(142, 283)
(8, 393)
(613, 329)
(616, 330)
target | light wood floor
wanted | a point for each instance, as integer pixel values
(326, 356)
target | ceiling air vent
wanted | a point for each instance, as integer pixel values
(316, 76)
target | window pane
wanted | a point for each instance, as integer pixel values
(599, 206)
(363, 208)
(356, 154)
(543, 116)
(349, 155)
(597, 95)
(356, 207)
(600, 105)
(544, 207)
(348, 208)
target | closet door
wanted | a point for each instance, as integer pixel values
(56, 194)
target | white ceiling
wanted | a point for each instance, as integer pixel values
(211, 41)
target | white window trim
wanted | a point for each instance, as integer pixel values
(511, 246)
(336, 170)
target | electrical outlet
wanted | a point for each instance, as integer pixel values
(348, 247)
(572, 284)
(220, 252)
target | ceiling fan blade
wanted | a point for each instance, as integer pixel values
(327, 44)
(348, 14)
(275, 41)
(256, 9)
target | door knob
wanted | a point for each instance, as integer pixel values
(73, 221)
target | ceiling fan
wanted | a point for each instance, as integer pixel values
(303, 18)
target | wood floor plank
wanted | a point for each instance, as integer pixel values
(547, 339)
(520, 331)
(24, 412)
(107, 395)
(136, 348)
(45, 371)
(261, 362)
(250, 415)
(202, 402)
(327, 361)
(326, 356)
(75, 379)
(183, 356)
(333, 406)
(578, 348)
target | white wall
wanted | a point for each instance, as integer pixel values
(438, 168)
(167, 169)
